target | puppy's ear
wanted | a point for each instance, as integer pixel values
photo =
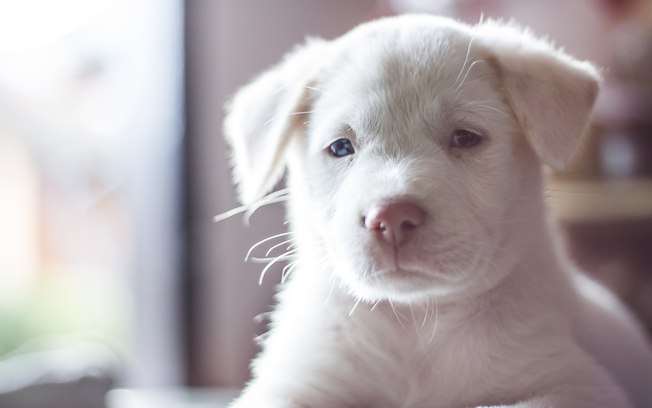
(263, 116)
(551, 93)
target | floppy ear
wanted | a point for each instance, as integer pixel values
(263, 116)
(551, 93)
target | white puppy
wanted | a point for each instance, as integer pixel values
(427, 272)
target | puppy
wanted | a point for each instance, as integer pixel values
(426, 271)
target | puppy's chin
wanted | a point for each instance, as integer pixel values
(429, 266)
(414, 277)
(401, 285)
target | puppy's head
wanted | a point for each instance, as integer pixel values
(414, 145)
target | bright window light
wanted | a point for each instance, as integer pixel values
(27, 24)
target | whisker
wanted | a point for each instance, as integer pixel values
(475, 102)
(254, 259)
(494, 109)
(250, 212)
(269, 265)
(257, 244)
(271, 198)
(273, 118)
(269, 251)
(434, 326)
(330, 292)
(228, 214)
(299, 84)
(284, 256)
(251, 208)
(425, 316)
(312, 88)
(397, 313)
(467, 73)
(466, 59)
(354, 306)
(288, 269)
(413, 318)
(480, 104)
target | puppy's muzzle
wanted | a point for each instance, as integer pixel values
(394, 222)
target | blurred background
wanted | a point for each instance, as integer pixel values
(112, 165)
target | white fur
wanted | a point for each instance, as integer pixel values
(486, 310)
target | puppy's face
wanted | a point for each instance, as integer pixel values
(417, 147)
(411, 165)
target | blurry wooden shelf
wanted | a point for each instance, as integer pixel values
(581, 201)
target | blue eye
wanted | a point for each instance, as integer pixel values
(340, 148)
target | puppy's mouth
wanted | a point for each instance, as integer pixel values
(403, 267)
(400, 254)
(403, 284)
(397, 272)
(394, 263)
(404, 278)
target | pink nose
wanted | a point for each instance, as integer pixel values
(394, 221)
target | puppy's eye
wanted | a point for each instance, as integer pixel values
(465, 139)
(340, 148)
